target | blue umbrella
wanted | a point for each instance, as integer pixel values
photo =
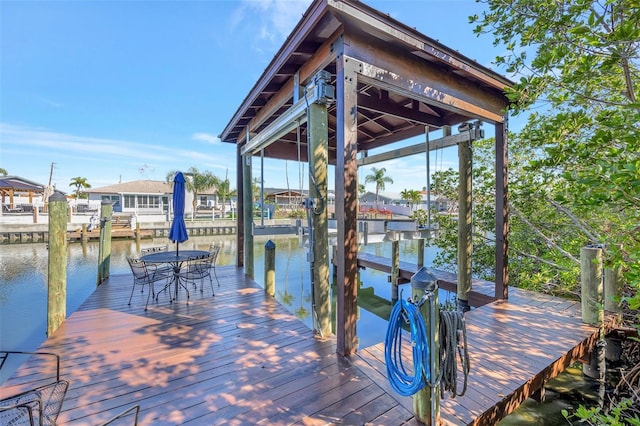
(178, 231)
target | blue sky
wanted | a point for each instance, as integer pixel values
(124, 90)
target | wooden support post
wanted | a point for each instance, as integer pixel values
(83, 233)
(138, 235)
(104, 245)
(502, 211)
(57, 286)
(420, 253)
(35, 214)
(426, 403)
(464, 224)
(270, 268)
(239, 208)
(613, 286)
(318, 166)
(346, 183)
(247, 226)
(591, 285)
(395, 269)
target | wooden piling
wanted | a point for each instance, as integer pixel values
(270, 268)
(247, 211)
(613, 289)
(104, 247)
(57, 285)
(464, 222)
(426, 403)
(591, 285)
(420, 252)
(138, 233)
(318, 183)
(395, 269)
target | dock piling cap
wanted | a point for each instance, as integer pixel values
(424, 280)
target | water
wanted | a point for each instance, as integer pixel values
(23, 294)
(24, 267)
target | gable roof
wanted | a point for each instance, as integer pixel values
(133, 187)
(20, 184)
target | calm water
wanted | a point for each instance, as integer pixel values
(23, 282)
(23, 294)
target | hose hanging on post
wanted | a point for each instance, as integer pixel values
(453, 338)
(401, 381)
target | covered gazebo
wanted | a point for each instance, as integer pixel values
(10, 186)
(349, 79)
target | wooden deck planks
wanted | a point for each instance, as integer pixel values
(240, 358)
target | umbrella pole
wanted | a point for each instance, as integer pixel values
(177, 248)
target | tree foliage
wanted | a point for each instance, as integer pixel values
(197, 182)
(379, 178)
(578, 63)
(80, 183)
(412, 196)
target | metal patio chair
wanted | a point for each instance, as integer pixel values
(157, 249)
(38, 406)
(167, 269)
(215, 251)
(199, 269)
(125, 415)
(146, 275)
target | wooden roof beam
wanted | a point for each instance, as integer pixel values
(390, 108)
(323, 56)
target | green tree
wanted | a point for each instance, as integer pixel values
(412, 196)
(80, 183)
(196, 182)
(444, 184)
(3, 172)
(379, 178)
(225, 191)
(579, 64)
(585, 68)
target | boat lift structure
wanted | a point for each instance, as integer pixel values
(349, 79)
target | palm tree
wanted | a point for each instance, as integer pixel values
(378, 177)
(413, 196)
(80, 183)
(198, 183)
(3, 172)
(225, 191)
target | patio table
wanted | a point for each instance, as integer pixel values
(176, 260)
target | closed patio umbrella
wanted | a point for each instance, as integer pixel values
(178, 231)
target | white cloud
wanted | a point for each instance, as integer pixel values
(276, 17)
(205, 137)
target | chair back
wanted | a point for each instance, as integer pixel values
(214, 250)
(138, 267)
(157, 249)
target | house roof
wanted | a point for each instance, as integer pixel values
(140, 187)
(18, 183)
(451, 89)
(133, 187)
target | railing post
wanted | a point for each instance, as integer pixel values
(57, 286)
(104, 248)
(270, 268)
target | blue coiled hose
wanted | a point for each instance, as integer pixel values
(401, 381)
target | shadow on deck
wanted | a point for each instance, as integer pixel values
(241, 358)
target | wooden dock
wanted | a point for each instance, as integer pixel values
(240, 358)
(482, 291)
